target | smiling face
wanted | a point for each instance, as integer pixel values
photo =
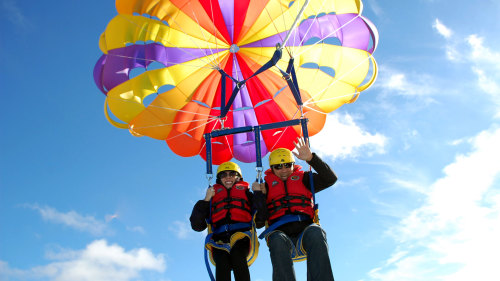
(283, 171)
(228, 178)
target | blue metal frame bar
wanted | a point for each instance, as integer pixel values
(246, 129)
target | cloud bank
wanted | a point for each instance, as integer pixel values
(73, 220)
(99, 261)
(342, 137)
(454, 234)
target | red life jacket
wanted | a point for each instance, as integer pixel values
(233, 200)
(288, 197)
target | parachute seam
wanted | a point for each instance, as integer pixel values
(330, 34)
(335, 81)
(209, 61)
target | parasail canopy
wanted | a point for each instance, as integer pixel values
(169, 69)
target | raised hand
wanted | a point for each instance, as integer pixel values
(303, 150)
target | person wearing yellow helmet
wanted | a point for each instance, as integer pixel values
(228, 209)
(293, 233)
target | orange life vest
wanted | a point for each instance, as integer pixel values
(233, 200)
(288, 197)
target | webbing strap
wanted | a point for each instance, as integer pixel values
(225, 107)
(283, 220)
(232, 227)
(207, 263)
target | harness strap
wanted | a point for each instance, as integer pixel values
(289, 198)
(285, 203)
(229, 206)
(274, 211)
(229, 199)
(283, 220)
(232, 227)
(207, 263)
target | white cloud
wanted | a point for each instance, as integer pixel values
(394, 82)
(139, 229)
(484, 62)
(481, 53)
(13, 13)
(342, 138)
(181, 229)
(454, 234)
(73, 220)
(442, 29)
(374, 5)
(486, 66)
(99, 261)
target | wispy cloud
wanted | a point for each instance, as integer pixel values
(342, 138)
(72, 219)
(484, 62)
(454, 234)
(395, 82)
(138, 229)
(181, 229)
(13, 13)
(442, 29)
(486, 66)
(99, 261)
(374, 5)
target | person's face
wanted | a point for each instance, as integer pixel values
(228, 178)
(283, 171)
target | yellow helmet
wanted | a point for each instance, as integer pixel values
(281, 155)
(229, 166)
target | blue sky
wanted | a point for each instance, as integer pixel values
(416, 155)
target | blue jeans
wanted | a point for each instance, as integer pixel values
(314, 243)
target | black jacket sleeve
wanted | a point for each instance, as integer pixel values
(199, 216)
(324, 176)
(259, 204)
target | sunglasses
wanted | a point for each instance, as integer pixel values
(280, 166)
(227, 174)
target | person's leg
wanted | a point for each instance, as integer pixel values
(239, 253)
(280, 249)
(318, 259)
(222, 265)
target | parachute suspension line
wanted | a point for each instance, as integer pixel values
(175, 123)
(194, 42)
(370, 57)
(310, 26)
(151, 60)
(215, 29)
(239, 84)
(328, 35)
(213, 62)
(192, 129)
(281, 135)
(291, 79)
(272, 21)
(272, 62)
(212, 130)
(162, 107)
(295, 22)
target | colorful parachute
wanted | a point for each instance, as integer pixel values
(193, 53)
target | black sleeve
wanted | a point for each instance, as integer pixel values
(324, 176)
(199, 216)
(259, 204)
